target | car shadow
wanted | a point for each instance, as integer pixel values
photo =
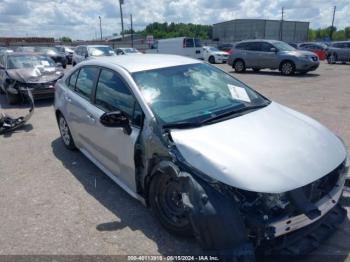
(276, 73)
(129, 212)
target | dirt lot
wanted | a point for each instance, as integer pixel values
(53, 201)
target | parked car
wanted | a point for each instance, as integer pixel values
(20, 72)
(25, 49)
(184, 46)
(272, 54)
(210, 156)
(53, 53)
(68, 51)
(226, 48)
(214, 55)
(317, 48)
(85, 52)
(338, 52)
(126, 51)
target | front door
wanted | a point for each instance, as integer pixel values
(267, 57)
(113, 147)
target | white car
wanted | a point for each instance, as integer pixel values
(212, 157)
(214, 55)
(126, 51)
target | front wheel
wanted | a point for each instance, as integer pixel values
(12, 99)
(211, 60)
(166, 202)
(331, 59)
(65, 133)
(287, 68)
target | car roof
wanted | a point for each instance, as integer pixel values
(25, 54)
(259, 40)
(144, 62)
(94, 45)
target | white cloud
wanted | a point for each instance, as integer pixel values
(79, 18)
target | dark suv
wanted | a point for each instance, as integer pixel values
(271, 54)
(338, 51)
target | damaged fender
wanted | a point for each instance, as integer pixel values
(9, 124)
(215, 218)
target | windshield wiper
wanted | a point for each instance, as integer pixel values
(182, 125)
(236, 112)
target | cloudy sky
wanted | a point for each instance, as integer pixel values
(78, 19)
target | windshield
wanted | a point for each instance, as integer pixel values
(130, 50)
(193, 93)
(29, 61)
(282, 46)
(213, 49)
(101, 51)
(47, 49)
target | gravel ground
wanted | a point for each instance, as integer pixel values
(56, 202)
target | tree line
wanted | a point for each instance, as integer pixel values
(324, 34)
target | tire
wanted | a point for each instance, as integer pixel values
(211, 59)
(166, 202)
(2, 92)
(239, 66)
(12, 99)
(64, 66)
(74, 64)
(66, 135)
(256, 70)
(332, 59)
(287, 68)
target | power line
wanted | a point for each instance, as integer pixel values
(332, 27)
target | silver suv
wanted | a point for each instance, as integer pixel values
(212, 157)
(271, 54)
(338, 51)
(85, 52)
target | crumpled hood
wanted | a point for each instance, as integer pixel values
(271, 150)
(35, 75)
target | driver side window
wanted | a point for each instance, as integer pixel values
(113, 94)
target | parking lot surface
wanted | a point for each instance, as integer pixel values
(54, 201)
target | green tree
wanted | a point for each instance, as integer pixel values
(65, 39)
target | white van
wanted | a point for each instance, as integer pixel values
(185, 46)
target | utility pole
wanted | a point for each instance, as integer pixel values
(100, 26)
(331, 31)
(281, 25)
(121, 2)
(132, 32)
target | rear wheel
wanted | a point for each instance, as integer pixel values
(65, 133)
(239, 66)
(166, 201)
(287, 68)
(211, 60)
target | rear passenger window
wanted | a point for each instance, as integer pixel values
(241, 46)
(85, 81)
(113, 94)
(73, 79)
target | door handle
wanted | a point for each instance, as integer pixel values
(91, 118)
(67, 98)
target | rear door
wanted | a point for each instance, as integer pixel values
(251, 54)
(78, 102)
(113, 147)
(192, 47)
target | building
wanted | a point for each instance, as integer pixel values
(26, 40)
(242, 29)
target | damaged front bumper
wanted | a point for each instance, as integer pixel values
(9, 124)
(290, 224)
(40, 91)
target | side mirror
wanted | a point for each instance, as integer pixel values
(273, 49)
(116, 119)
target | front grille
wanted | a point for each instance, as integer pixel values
(321, 187)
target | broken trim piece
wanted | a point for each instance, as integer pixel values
(324, 205)
(9, 124)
